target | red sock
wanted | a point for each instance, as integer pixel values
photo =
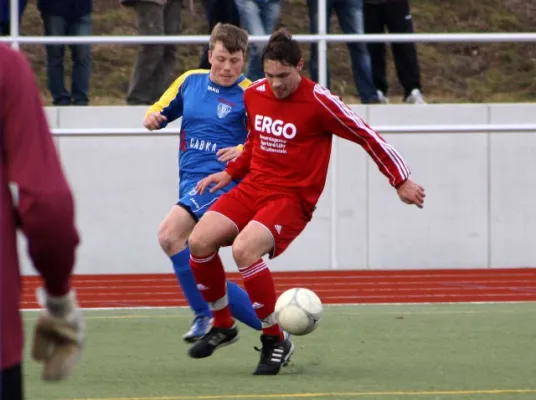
(261, 290)
(210, 277)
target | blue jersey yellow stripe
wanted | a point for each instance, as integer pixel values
(173, 90)
(213, 118)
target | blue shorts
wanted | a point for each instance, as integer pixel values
(195, 203)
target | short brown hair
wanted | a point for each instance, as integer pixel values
(281, 47)
(232, 37)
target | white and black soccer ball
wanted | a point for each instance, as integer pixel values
(298, 311)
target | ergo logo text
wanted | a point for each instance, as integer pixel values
(276, 128)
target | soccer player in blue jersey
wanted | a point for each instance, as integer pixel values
(213, 130)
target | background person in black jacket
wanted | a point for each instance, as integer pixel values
(5, 15)
(396, 16)
(216, 11)
(67, 18)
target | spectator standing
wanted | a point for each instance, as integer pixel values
(395, 15)
(350, 16)
(67, 18)
(154, 69)
(258, 17)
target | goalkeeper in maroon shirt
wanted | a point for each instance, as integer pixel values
(45, 214)
(283, 171)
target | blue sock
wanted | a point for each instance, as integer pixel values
(181, 265)
(241, 308)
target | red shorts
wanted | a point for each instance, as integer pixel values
(284, 215)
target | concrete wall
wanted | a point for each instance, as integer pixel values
(480, 207)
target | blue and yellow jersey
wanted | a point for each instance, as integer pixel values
(213, 118)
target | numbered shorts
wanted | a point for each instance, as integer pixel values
(283, 215)
(195, 203)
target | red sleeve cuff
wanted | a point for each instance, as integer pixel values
(231, 170)
(400, 183)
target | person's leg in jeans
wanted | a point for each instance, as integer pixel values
(165, 72)
(270, 13)
(56, 26)
(375, 24)
(399, 20)
(312, 7)
(5, 28)
(150, 21)
(81, 55)
(350, 15)
(250, 18)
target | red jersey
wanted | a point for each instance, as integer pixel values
(44, 211)
(289, 142)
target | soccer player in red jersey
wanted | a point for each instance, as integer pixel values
(283, 169)
(45, 214)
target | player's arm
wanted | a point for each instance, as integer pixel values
(229, 153)
(239, 167)
(235, 170)
(340, 120)
(45, 210)
(168, 108)
(45, 213)
(232, 153)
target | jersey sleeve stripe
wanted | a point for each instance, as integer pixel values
(172, 92)
(245, 84)
(398, 162)
(318, 91)
(393, 155)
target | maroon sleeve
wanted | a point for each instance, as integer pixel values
(340, 120)
(45, 209)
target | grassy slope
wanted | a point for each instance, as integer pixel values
(450, 72)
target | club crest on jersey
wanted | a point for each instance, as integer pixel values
(223, 110)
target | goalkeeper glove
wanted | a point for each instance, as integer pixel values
(59, 335)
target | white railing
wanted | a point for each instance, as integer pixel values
(484, 128)
(304, 38)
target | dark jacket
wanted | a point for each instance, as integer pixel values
(131, 3)
(65, 8)
(376, 2)
(5, 10)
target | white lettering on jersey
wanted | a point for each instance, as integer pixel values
(276, 128)
(213, 89)
(203, 145)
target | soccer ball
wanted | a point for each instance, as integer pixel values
(298, 311)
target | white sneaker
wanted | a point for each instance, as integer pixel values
(415, 97)
(382, 98)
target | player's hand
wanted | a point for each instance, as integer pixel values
(153, 120)
(59, 335)
(411, 193)
(228, 153)
(221, 179)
